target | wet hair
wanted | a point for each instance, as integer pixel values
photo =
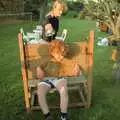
(58, 47)
(58, 3)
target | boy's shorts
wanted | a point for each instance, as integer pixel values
(52, 83)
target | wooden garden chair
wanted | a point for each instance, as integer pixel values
(63, 35)
(32, 55)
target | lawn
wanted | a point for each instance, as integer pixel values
(106, 94)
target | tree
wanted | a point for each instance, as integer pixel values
(109, 12)
(37, 7)
(43, 9)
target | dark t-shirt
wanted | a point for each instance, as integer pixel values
(55, 24)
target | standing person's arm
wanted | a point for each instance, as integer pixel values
(48, 30)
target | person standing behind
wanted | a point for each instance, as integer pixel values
(51, 24)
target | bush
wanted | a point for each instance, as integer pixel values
(76, 6)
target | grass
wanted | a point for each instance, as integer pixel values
(106, 94)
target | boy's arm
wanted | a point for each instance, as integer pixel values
(39, 73)
(76, 70)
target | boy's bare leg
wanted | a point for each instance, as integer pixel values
(61, 86)
(42, 90)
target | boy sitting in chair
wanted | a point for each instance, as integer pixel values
(58, 51)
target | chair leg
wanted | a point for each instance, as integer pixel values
(81, 92)
(32, 99)
(88, 98)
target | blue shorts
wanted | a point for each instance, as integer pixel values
(51, 82)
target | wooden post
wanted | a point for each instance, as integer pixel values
(24, 71)
(90, 66)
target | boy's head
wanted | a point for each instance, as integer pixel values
(58, 50)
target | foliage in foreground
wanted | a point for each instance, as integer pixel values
(108, 11)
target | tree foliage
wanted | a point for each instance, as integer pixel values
(107, 11)
(37, 7)
(10, 6)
